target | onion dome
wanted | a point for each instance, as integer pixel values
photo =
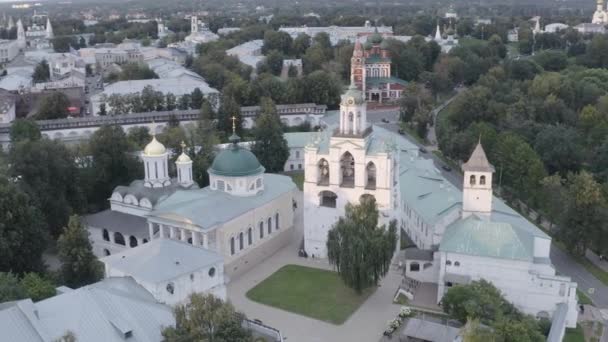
(236, 161)
(155, 148)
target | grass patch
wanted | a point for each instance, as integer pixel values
(583, 298)
(311, 292)
(401, 299)
(298, 178)
(574, 335)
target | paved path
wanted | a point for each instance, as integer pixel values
(366, 324)
(595, 259)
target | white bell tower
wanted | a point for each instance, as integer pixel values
(155, 158)
(194, 24)
(184, 168)
(477, 185)
(353, 111)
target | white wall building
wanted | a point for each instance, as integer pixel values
(7, 109)
(9, 49)
(338, 33)
(249, 53)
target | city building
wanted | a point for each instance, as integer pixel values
(244, 216)
(290, 115)
(249, 53)
(371, 71)
(199, 32)
(9, 49)
(513, 36)
(338, 33)
(295, 64)
(460, 235)
(296, 141)
(178, 86)
(600, 16)
(7, 108)
(590, 28)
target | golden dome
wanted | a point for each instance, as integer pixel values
(154, 148)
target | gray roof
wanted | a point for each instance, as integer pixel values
(161, 260)
(119, 222)
(429, 331)
(478, 161)
(206, 208)
(104, 312)
(155, 195)
(298, 139)
(413, 253)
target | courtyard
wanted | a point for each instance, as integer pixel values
(312, 292)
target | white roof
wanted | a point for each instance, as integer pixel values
(246, 48)
(178, 86)
(16, 80)
(162, 259)
(106, 311)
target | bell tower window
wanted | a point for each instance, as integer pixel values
(472, 180)
(482, 180)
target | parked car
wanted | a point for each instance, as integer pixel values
(401, 131)
(384, 120)
(423, 150)
(446, 168)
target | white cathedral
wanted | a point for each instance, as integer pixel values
(175, 238)
(460, 235)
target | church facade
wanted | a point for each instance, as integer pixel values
(459, 235)
(244, 216)
(371, 69)
(600, 16)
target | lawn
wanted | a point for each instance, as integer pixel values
(583, 298)
(298, 178)
(311, 292)
(574, 335)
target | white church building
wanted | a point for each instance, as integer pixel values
(460, 235)
(175, 238)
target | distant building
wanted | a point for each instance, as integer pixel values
(513, 36)
(199, 32)
(249, 53)
(555, 27)
(288, 64)
(590, 28)
(7, 108)
(9, 49)
(600, 16)
(338, 33)
(296, 141)
(227, 30)
(371, 71)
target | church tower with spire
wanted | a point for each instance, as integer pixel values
(357, 67)
(477, 184)
(49, 29)
(21, 42)
(155, 158)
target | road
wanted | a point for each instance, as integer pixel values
(564, 264)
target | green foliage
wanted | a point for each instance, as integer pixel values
(36, 287)
(206, 318)
(138, 137)
(270, 147)
(136, 71)
(53, 106)
(111, 163)
(24, 129)
(79, 265)
(10, 288)
(23, 234)
(41, 72)
(48, 173)
(359, 249)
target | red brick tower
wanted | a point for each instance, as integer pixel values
(357, 67)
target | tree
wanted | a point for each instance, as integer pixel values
(36, 287)
(415, 98)
(300, 44)
(112, 164)
(584, 218)
(23, 233)
(274, 62)
(552, 60)
(10, 288)
(269, 144)
(63, 43)
(53, 106)
(553, 197)
(24, 129)
(559, 148)
(196, 99)
(41, 72)
(206, 318)
(79, 265)
(136, 71)
(476, 300)
(170, 101)
(473, 331)
(139, 137)
(274, 40)
(359, 249)
(47, 172)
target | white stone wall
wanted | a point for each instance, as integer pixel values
(102, 247)
(520, 284)
(199, 281)
(477, 197)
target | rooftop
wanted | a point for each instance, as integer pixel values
(161, 260)
(181, 85)
(119, 222)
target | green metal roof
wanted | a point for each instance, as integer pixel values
(376, 59)
(206, 208)
(474, 236)
(298, 139)
(384, 80)
(236, 161)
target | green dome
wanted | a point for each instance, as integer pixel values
(236, 162)
(384, 44)
(367, 45)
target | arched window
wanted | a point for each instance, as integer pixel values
(106, 252)
(119, 239)
(347, 166)
(261, 230)
(456, 263)
(276, 221)
(449, 263)
(472, 180)
(269, 226)
(414, 267)
(327, 199)
(106, 235)
(220, 185)
(145, 240)
(170, 288)
(212, 272)
(370, 170)
(323, 172)
(132, 241)
(232, 246)
(482, 180)
(241, 241)
(249, 236)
